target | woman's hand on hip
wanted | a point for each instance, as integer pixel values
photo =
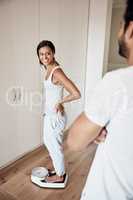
(60, 108)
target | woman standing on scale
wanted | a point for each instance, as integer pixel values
(55, 118)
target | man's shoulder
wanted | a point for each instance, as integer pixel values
(115, 73)
(112, 81)
(114, 76)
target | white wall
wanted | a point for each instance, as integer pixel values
(20, 126)
(99, 21)
(24, 24)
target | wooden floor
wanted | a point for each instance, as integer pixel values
(15, 181)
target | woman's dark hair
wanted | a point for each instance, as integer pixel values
(45, 43)
(128, 15)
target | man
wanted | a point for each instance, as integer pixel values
(110, 106)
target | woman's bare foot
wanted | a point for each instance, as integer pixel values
(54, 178)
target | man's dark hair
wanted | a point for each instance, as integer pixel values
(45, 43)
(128, 15)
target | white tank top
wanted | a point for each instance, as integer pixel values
(53, 93)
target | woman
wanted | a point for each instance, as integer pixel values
(55, 118)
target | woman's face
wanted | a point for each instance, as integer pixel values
(46, 56)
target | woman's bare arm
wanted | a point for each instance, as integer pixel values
(63, 80)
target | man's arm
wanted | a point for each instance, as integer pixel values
(82, 132)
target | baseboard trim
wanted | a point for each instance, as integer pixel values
(22, 156)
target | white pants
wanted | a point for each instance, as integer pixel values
(54, 125)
